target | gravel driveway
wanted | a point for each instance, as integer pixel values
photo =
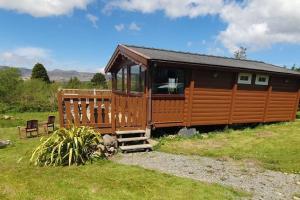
(263, 184)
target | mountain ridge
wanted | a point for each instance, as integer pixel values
(57, 74)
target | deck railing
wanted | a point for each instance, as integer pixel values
(101, 109)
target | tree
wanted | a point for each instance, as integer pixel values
(39, 72)
(99, 80)
(295, 68)
(10, 79)
(74, 83)
(240, 53)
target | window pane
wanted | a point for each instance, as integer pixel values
(137, 78)
(244, 78)
(119, 80)
(168, 81)
(125, 80)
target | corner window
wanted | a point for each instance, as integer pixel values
(137, 78)
(168, 81)
(245, 78)
(262, 79)
(121, 80)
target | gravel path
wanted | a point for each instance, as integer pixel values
(263, 184)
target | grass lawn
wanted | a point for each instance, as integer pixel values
(275, 146)
(21, 118)
(100, 180)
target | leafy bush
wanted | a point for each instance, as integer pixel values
(36, 95)
(76, 145)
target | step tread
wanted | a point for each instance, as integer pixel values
(132, 139)
(130, 132)
(134, 147)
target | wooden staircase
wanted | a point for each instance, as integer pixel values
(133, 140)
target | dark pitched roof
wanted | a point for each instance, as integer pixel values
(185, 57)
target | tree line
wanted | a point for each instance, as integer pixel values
(38, 93)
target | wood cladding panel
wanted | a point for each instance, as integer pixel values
(281, 106)
(210, 106)
(249, 106)
(166, 110)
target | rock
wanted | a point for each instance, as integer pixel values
(101, 147)
(296, 198)
(4, 143)
(298, 182)
(187, 132)
(6, 117)
(109, 141)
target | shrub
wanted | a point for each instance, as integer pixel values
(36, 95)
(76, 145)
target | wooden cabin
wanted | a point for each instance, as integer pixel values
(153, 88)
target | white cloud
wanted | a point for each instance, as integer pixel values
(260, 23)
(189, 44)
(172, 8)
(93, 19)
(25, 57)
(120, 27)
(134, 27)
(44, 8)
(255, 24)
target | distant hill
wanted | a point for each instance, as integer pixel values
(58, 74)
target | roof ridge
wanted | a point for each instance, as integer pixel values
(200, 54)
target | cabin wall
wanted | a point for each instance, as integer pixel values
(218, 99)
(213, 97)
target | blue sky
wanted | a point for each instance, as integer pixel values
(82, 34)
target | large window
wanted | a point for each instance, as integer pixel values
(168, 81)
(137, 78)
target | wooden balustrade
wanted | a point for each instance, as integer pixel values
(102, 110)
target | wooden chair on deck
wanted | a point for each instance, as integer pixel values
(31, 127)
(49, 124)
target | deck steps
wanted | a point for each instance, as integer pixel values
(133, 140)
(130, 139)
(136, 147)
(130, 132)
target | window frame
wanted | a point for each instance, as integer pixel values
(165, 95)
(257, 82)
(248, 82)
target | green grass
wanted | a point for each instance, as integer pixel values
(99, 180)
(21, 118)
(275, 146)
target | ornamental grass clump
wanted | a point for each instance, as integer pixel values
(76, 145)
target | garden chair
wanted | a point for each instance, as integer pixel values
(49, 124)
(31, 127)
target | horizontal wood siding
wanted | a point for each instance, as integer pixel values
(249, 106)
(168, 111)
(210, 106)
(281, 106)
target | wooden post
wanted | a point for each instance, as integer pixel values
(267, 103)
(296, 105)
(113, 110)
(149, 95)
(60, 108)
(190, 103)
(232, 106)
